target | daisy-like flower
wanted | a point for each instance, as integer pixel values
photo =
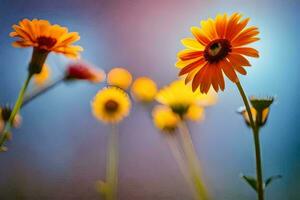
(44, 38)
(111, 105)
(218, 47)
(119, 77)
(179, 97)
(144, 89)
(84, 71)
(42, 77)
(165, 119)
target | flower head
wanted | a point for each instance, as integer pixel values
(218, 47)
(111, 105)
(84, 71)
(165, 119)
(143, 89)
(119, 77)
(42, 35)
(42, 77)
(179, 97)
(259, 117)
(261, 103)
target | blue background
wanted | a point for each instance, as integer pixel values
(59, 152)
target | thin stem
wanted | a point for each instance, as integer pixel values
(178, 156)
(15, 110)
(36, 93)
(255, 131)
(193, 162)
(112, 164)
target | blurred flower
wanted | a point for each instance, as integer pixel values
(219, 46)
(119, 77)
(179, 97)
(259, 117)
(42, 77)
(111, 105)
(143, 89)
(84, 71)
(5, 112)
(44, 38)
(165, 119)
(195, 113)
(261, 103)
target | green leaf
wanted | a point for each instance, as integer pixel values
(251, 181)
(271, 179)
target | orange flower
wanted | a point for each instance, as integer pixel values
(218, 47)
(46, 37)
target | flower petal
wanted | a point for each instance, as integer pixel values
(200, 35)
(192, 44)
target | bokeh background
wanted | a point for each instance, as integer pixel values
(59, 152)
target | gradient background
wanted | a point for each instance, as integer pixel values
(59, 152)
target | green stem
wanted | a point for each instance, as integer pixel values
(193, 162)
(15, 110)
(112, 165)
(255, 130)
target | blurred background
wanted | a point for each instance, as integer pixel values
(59, 152)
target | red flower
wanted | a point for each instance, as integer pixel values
(83, 71)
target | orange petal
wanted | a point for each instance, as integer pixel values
(191, 75)
(229, 71)
(232, 23)
(238, 28)
(208, 27)
(206, 82)
(221, 22)
(191, 66)
(238, 60)
(214, 78)
(200, 36)
(247, 51)
(198, 77)
(245, 41)
(181, 64)
(220, 76)
(187, 55)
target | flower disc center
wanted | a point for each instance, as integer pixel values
(111, 106)
(46, 42)
(217, 50)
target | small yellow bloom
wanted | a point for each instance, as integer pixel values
(143, 89)
(165, 119)
(195, 113)
(119, 77)
(179, 97)
(111, 105)
(42, 77)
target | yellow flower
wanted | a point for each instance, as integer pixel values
(44, 36)
(195, 113)
(165, 119)
(179, 97)
(259, 117)
(42, 77)
(219, 46)
(111, 105)
(119, 77)
(143, 89)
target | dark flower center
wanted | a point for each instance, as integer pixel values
(46, 42)
(217, 50)
(111, 106)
